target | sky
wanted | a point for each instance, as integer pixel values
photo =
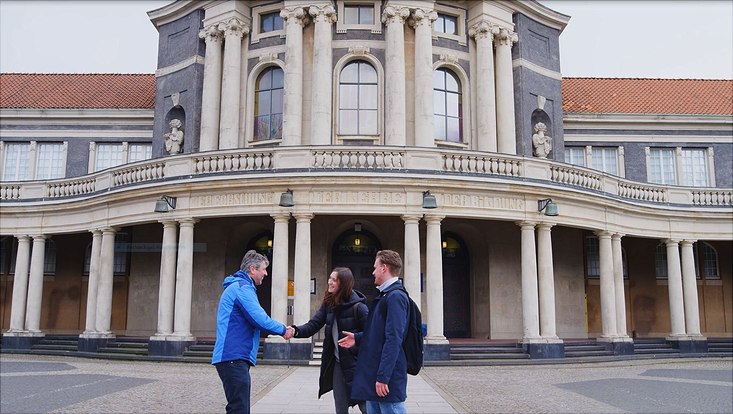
(604, 38)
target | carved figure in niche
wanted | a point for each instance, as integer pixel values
(174, 139)
(542, 143)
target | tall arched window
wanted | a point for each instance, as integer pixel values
(448, 106)
(358, 99)
(269, 104)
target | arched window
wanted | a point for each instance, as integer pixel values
(448, 106)
(708, 260)
(268, 111)
(358, 99)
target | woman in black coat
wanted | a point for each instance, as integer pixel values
(343, 309)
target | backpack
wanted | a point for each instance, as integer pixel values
(412, 344)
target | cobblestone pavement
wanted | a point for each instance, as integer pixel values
(33, 384)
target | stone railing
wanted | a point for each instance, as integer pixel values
(395, 160)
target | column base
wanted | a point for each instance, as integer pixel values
(544, 348)
(436, 349)
(21, 340)
(619, 345)
(278, 349)
(689, 344)
(169, 345)
(92, 341)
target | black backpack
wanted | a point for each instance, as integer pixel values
(413, 341)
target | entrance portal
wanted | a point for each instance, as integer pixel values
(456, 288)
(356, 250)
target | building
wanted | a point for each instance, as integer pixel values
(526, 206)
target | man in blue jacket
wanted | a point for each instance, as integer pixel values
(381, 370)
(238, 323)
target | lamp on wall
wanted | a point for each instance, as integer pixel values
(165, 204)
(286, 198)
(549, 206)
(428, 200)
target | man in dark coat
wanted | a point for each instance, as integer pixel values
(381, 371)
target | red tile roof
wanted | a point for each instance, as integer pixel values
(88, 91)
(647, 96)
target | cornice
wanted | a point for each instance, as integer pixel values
(537, 11)
(177, 9)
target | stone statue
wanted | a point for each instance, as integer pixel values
(174, 139)
(542, 143)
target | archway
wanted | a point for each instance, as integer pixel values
(456, 288)
(356, 249)
(262, 243)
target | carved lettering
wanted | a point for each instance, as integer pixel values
(236, 199)
(356, 197)
(483, 202)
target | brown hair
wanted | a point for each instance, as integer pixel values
(392, 259)
(343, 292)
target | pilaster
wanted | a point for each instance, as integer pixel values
(422, 21)
(395, 118)
(294, 19)
(483, 33)
(505, 126)
(211, 94)
(321, 102)
(234, 30)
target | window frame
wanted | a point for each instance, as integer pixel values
(460, 16)
(342, 27)
(253, 117)
(358, 54)
(125, 153)
(31, 154)
(461, 107)
(259, 68)
(256, 34)
(359, 84)
(678, 164)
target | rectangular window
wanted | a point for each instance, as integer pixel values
(575, 156)
(270, 22)
(446, 24)
(6, 244)
(359, 14)
(139, 152)
(592, 258)
(660, 261)
(662, 166)
(16, 162)
(108, 155)
(605, 159)
(50, 162)
(694, 168)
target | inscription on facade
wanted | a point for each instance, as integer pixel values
(476, 201)
(236, 199)
(354, 197)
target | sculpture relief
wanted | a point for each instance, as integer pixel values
(542, 143)
(174, 139)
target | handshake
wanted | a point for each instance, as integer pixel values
(289, 332)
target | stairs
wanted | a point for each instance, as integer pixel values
(56, 345)
(586, 349)
(472, 353)
(201, 351)
(125, 348)
(655, 348)
(720, 347)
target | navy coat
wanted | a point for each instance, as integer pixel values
(381, 357)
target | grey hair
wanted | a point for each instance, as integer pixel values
(252, 258)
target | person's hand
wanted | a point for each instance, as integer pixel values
(382, 389)
(347, 341)
(289, 332)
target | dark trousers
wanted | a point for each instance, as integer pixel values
(342, 392)
(235, 377)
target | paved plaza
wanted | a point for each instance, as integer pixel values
(41, 384)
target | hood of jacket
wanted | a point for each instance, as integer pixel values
(356, 297)
(238, 276)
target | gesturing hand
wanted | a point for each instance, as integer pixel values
(289, 332)
(347, 341)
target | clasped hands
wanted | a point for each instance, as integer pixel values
(289, 333)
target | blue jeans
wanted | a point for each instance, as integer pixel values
(378, 407)
(237, 383)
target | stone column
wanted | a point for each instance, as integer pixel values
(689, 289)
(234, 29)
(20, 284)
(211, 94)
(395, 118)
(302, 269)
(295, 19)
(184, 281)
(618, 284)
(505, 127)
(422, 20)
(486, 96)
(35, 285)
(434, 279)
(279, 306)
(546, 280)
(674, 287)
(167, 288)
(411, 268)
(608, 291)
(530, 312)
(105, 284)
(321, 103)
(93, 283)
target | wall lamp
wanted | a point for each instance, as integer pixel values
(549, 206)
(286, 198)
(165, 204)
(428, 200)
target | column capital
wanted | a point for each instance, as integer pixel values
(168, 223)
(483, 29)
(40, 237)
(233, 27)
(687, 242)
(669, 242)
(295, 15)
(107, 230)
(211, 33)
(325, 13)
(545, 225)
(188, 221)
(603, 234)
(411, 218)
(280, 217)
(505, 37)
(303, 217)
(424, 17)
(395, 14)
(618, 235)
(434, 218)
(525, 223)
(22, 237)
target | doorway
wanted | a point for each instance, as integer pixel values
(456, 288)
(356, 250)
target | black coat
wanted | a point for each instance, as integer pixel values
(351, 316)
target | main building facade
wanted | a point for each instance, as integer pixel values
(525, 206)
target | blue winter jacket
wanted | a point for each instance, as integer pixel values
(381, 356)
(239, 321)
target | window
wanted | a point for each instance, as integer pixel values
(709, 262)
(50, 161)
(446, 24)
(694, 168)
(575, 156)
(16, 162)
(605, 159)
(269, 104)
(6, 244)
(33, 160)
(660, 261)
(49, 257)
(358, 100)
(139, 152)
(662, 166)
(270, 22)
(359, 14)
(448, 106)
(592, 258)
(108, 155)
(105, 155)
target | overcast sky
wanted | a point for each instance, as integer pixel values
(651, 39)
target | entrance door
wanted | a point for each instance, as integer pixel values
(262, 244)
(356, 250)
(456, 288)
